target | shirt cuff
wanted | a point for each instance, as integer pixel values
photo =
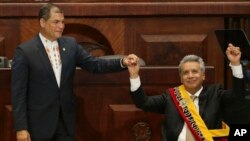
(237, 71)
(135, 83)
(122, 63)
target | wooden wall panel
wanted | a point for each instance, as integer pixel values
(112, 30)
(9, 33)
(2, 47)
(132, 124)
(169, 49)
(8, 132)
(94, 1)
(104, 31)
(5, 98)
(164, 41)
(29, 27)
(104, 9)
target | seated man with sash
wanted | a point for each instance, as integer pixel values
(192, 112)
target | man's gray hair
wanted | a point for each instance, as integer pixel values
(192, 58)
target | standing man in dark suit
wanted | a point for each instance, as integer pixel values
(192, 111)
(42, 80)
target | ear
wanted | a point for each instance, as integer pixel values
(42, 22)
(203, 76)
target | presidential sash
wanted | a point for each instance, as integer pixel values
(191, 116)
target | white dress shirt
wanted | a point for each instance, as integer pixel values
(236, 71)
(182, 136)
(52, 49)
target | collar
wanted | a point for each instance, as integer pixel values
(197, 94)
(46, 42)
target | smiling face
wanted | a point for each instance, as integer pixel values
(192, 76)
(53, 27)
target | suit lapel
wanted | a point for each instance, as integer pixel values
(202, 101)
(45, 59)
(64, 52)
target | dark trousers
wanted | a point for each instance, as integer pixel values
(61, 133)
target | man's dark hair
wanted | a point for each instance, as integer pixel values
(44, 12)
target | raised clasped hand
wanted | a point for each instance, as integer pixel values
(233, 54)
(131, 60)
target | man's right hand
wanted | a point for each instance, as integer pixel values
(23, 135)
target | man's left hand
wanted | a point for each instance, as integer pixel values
(130, 60)
(233, 54)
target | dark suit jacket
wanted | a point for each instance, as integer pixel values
(211, 104)
(36, 97)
